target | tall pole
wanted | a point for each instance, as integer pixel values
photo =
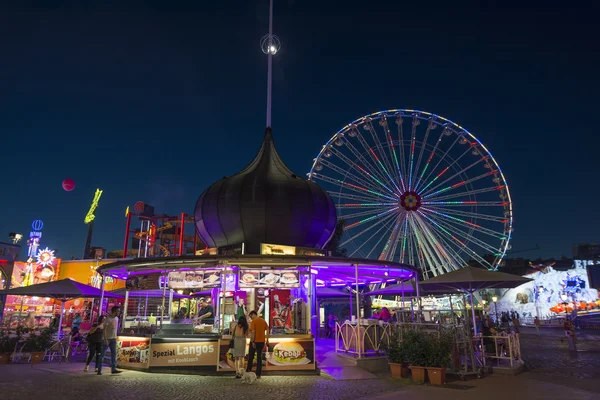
(270, 45)
(88, 241)
(358, 327)
(127, 227)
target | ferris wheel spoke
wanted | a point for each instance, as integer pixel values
(467, 182)
(424, 246)
(363, 205)
(413, 138)
(364, 242)
(386, 233)
(393, 155)
(400, 130)
(471, 225)
(450, 260)
(389, 167)
(435, 147)
(405, 234)
(459, 174)
(369, 219)
(353, 197)
(427, 259)
(448, 246)
(453, 233)
(434, 169)
(369, 150)
(446, 169)
(466, 203)
(375, 170)
(352, 187)
(376, 223)
(360, 169)
(348, 175)
(467, 193)
(348, 217)
(458, 229)
(431, 125)
(443, 261)
(387, 249)
(468, 214)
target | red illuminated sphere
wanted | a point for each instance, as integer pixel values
(68, 184)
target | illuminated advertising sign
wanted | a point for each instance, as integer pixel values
(277, 250)
(184, 354)
(90, 214)
(282, 250)
(194, 279)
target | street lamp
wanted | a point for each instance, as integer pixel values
(495, 300)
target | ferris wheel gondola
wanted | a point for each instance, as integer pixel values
(416, 188)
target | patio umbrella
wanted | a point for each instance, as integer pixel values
(63, 290)
(325, 292)
(147, 293)
(471, 279)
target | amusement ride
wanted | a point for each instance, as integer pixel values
(414, 187)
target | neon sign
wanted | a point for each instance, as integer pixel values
(45, 257)
(37, 225)
(90, 215)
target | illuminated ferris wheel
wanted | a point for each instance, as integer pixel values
(416, 188)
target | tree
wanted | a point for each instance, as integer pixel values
(334, 244)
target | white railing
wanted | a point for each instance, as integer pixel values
(506, 347)
(362, 340)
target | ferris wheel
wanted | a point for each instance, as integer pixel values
(414, 187)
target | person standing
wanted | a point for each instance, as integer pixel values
(206, 314)
(95, 338)
(536, 322)
(111, 325)
(259, 335)
(239, 335)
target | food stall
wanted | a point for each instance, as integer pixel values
(281, 288)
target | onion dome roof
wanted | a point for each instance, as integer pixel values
(265, 203)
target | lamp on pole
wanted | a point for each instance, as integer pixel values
(495, 300)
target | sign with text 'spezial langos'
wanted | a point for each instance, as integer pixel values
(184, 354)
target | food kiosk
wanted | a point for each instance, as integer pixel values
(281, 288)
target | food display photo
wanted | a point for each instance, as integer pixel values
(133, 352)
(269, 279)
(290, 353)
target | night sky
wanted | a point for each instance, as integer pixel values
(154, 101)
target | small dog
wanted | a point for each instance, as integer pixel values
(247, 377)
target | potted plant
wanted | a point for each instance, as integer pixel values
(396, 354)
(417, 349)
(8, 343)
(37, 343)
(439, 357)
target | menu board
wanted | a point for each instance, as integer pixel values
(133, 352)
(194, 279)
(268, 278)
(184, 354)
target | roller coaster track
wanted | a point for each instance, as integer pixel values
(144, 236)
(166, 225)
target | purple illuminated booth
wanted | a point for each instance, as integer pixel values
(265, 229)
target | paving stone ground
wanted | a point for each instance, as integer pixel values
(68, 382)
(552, 372)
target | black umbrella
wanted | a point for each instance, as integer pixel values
(471, 279)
